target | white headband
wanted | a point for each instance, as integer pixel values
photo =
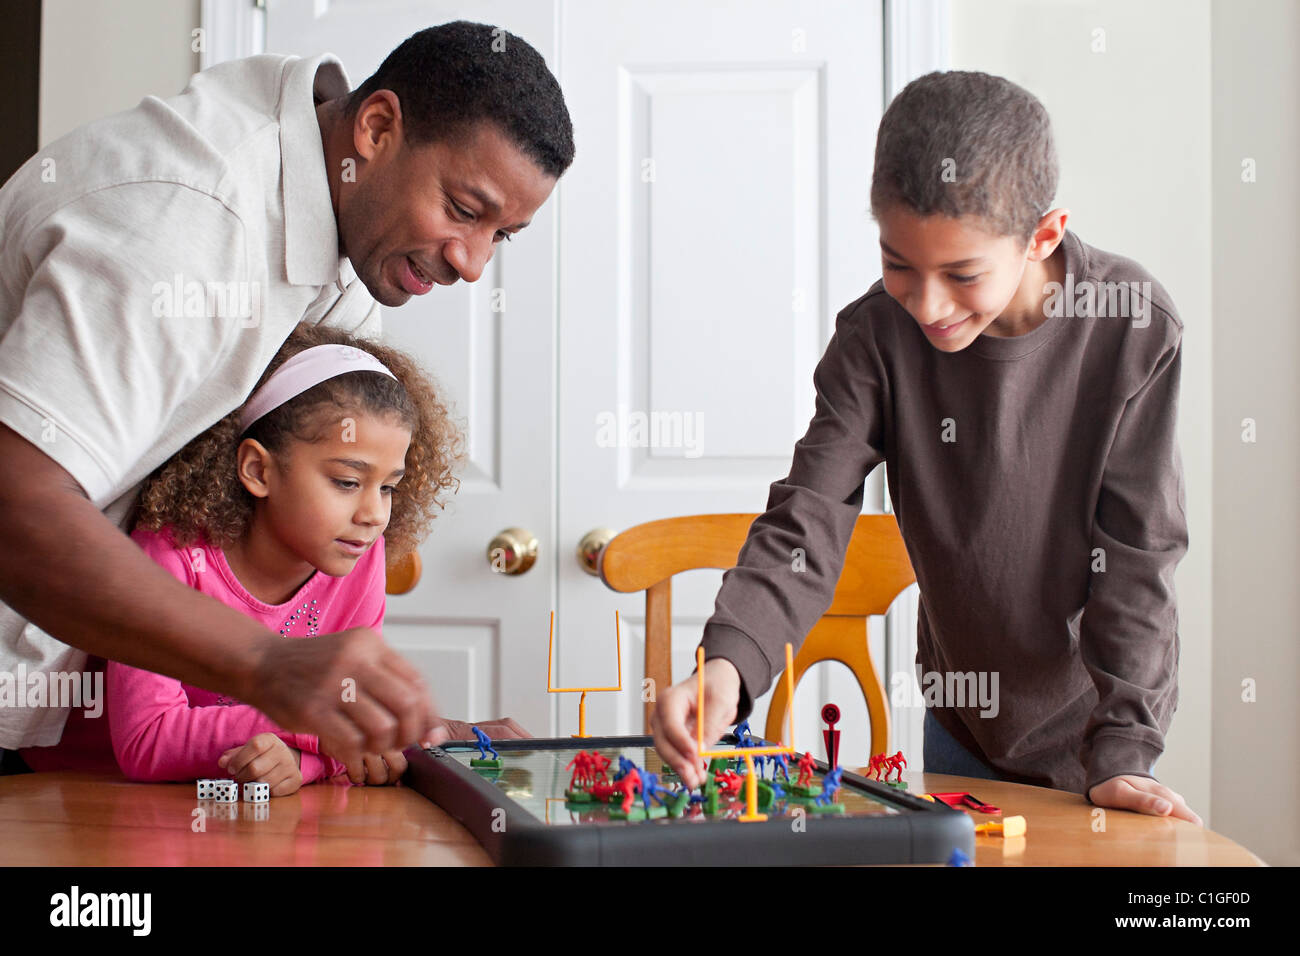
(309, 367)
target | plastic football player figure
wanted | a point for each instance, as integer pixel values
(830, 783)
(807, 764)
(484, 745)
(581, 766)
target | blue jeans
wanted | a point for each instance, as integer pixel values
(943, 754)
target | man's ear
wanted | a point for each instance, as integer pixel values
(377, 127)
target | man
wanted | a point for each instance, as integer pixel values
(263, 174)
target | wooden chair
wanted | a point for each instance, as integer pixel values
(876, 570)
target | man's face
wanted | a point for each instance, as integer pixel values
(948, 272)
(422, 215)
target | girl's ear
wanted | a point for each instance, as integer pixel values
(252, 463)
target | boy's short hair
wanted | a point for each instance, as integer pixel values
(967, 144)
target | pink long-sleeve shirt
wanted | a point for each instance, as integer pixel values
(158, 728)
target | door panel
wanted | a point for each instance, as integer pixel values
(712, 225)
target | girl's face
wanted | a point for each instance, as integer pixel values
(326, 503)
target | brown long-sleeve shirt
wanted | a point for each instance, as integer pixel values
(1038, 487)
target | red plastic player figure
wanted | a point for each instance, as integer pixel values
(806, 765)
(598, 766)
(629, 785)
(895, 763)
(581, 765)
(728, 781)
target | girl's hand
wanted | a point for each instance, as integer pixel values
(265, 759)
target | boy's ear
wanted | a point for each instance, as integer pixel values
(1048, 235)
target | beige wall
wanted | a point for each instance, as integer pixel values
(99, 58)
(1151, 134)
(1256, 104)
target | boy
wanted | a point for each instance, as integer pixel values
(1022, 388)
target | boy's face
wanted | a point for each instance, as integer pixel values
(954, 278)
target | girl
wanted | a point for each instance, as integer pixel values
(286, 509)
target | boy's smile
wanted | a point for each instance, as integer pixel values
(958, 280)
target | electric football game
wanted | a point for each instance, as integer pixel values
(611, 801)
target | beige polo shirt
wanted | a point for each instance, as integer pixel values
(153, 262)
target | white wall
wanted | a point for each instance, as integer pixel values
(99, 58)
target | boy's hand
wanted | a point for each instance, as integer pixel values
(264, 759)
(503, 728)
(1130, 792)
(674, 720)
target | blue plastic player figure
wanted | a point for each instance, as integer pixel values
(484, 745)
(959, 858)
(782, 763)
(743, 734)
(624, 765)
(650, 788)
(830, 783)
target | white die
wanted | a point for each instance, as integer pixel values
(207, 789)
(257, 792)
(227, 791)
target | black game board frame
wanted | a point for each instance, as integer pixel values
(923, 832)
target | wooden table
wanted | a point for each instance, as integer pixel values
(72, 819)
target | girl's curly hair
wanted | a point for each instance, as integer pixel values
(198, 494)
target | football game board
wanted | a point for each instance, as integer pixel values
(525, 811)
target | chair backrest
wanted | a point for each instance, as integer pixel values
(876, 569)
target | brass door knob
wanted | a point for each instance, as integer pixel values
(513, 551)
(589, 548)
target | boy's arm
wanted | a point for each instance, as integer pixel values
(1128, 634)
(786, 572)
(776, 594)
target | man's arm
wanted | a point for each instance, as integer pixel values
(70, 572)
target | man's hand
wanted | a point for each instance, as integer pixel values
(360, 697)
(1131, 792)
(674, 720)
(377, 770)
(264, 759)
(503, 728)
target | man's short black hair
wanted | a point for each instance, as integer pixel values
(450, 77)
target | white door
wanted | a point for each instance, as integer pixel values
(478, 637)
(713, 223)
